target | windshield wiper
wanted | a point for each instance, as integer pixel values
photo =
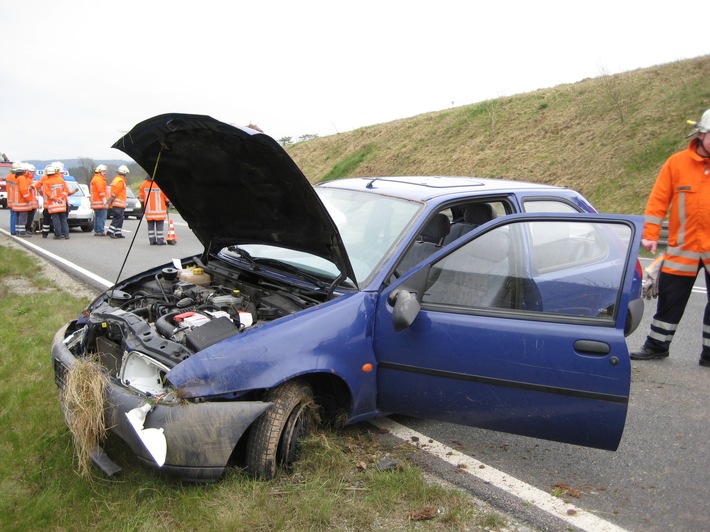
(245, 255)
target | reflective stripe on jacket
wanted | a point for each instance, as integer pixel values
(99, 192)
(56, 192)
(25, 197)
(683, 186)
(118, 192)
(11, 187)
(154, 201)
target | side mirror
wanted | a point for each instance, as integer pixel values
(406, 308)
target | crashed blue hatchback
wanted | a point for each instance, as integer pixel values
(483, 302)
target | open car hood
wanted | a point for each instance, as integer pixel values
(234, 185)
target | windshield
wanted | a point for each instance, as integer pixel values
(369, 224)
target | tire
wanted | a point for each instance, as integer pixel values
(274, 438)
(87, 228)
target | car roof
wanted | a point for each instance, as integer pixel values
(426, 188)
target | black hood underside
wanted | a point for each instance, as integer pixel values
(234, 185)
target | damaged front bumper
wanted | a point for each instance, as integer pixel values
(200, 437)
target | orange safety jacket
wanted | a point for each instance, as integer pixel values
(154, 200)
(11, 182)
(56, 191)
(683, 186)
(98, 192)
(25, 198)
(118, 192)
(39, 185)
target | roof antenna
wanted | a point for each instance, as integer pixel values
(369, 185)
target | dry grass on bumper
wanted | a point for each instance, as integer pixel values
(83, 398)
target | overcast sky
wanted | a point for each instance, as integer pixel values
(76, 75)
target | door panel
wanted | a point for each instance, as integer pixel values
(516, 333)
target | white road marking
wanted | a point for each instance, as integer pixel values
(530, 494)
(57, 258)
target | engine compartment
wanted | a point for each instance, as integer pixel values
(171, 314)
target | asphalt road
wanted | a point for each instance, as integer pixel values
(659, 479)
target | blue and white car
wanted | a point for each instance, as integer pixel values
(484, 302)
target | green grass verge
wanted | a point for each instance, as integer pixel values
(335, 485)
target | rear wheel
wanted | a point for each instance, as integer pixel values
(275, 436)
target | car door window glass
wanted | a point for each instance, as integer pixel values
(562, 268)
(548, 205)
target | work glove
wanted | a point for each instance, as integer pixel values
(651, 277)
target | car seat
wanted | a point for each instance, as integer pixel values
(474, 214)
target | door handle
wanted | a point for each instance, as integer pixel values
(592, 347)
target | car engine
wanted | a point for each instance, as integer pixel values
(164, 318)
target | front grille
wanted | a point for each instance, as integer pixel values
(60, 373)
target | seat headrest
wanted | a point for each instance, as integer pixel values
(478, 213)
(437, 229)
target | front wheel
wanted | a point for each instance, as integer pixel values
(275, 436)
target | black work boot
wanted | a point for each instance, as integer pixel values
(648, 353)
(704, 360)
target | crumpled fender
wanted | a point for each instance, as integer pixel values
(200, 436)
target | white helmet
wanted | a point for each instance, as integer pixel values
(50, 170)
(58, 165)
(123, 170)
(31, 167)
(703, 126)
(100, 168)
(17, 166)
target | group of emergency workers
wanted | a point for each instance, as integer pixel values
(22, 194)
(104, 197)
(22, 191)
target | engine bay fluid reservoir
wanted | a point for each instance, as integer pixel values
(196, 276)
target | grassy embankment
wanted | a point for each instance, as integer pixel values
(606, 137)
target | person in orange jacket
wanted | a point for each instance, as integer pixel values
(22, 202)
(29, 224)
(99, 199)
(117, 202)
(56, 193)
(45, 222)
(155, 211)
(683, 186)
(11, 185)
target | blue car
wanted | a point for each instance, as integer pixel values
(484, 302)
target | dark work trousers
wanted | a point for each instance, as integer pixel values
(114, 230)
(30, 221)
(46, 222)
(673, 294)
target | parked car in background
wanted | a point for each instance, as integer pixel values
(483, 302)
(133, 205)
(80, 212)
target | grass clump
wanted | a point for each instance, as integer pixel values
(83, 398)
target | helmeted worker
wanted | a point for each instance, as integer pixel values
(11, 187)
(24, 200)
(56, 193)
(683, 186)
(155, 211)
(99, 199)
(39, 185)
(117, 202)
(29, 224)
